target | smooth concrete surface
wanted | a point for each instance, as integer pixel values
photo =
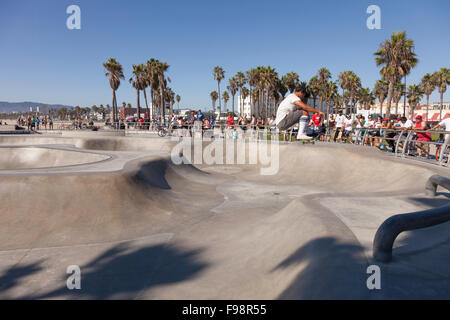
(141, 227)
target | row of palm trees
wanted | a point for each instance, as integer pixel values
(395, 56)
(151, 75)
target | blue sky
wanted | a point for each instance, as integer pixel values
(41, 60)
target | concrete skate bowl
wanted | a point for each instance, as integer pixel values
(156, 230)
(32, 158)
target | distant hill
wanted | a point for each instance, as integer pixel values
(9, 107)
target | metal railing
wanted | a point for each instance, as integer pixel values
(392, 227)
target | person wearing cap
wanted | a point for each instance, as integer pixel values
(348, 127)
(293, 109)
(423, 137)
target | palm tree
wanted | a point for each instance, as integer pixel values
(252, 78)
(399, 92)
(115, 72)
(160, 69)
(138, 82)
(329, 92)
(415, 94)
(290, 80)
(323, 75)
(226, 98)
(441, 79)
(218, 74)
(314, 88)
(366, 97)
(240, 81)
(178, 98)
(397, 58)
(244, 94)
(233, 88)
(380, 90)
(428, 87)
(214, 96)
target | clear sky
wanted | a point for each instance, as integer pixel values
(41, 60)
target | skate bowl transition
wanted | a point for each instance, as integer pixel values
(138, 225)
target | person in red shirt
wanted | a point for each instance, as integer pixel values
(230, 120)
(317, 121)
(422, 137)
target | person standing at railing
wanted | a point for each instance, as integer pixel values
(423, 137)
(293, 110)
(317, 122)
(389, 135)
(340, 119)
(243, 122)
(446, 125)
(377, 134)
(348, 127)
(368, 125)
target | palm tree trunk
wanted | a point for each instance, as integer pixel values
(220, 104)
(428, 102)
(381, 108)
(146, 103)
(232, 104)
(138, 104)
(113, 102)
(442, 102)
(389, 99)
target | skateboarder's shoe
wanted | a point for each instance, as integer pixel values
(303, 137)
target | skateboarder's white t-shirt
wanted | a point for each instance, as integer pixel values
(286, 106)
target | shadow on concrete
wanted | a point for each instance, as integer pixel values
(430, 202)
(15, 275)
(123, 272)
(334, 270)
(420, 266)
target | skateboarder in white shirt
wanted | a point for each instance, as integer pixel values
(293, 109)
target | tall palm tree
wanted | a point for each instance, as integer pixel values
(329, 92)
(415, 95)
(245, 92)
(115, 73)
(428, 87)
(441, 79)
(323, 76)
(214, 96)
(397, 58)
(380, 90)
(314, 88)
(290, 80)
(240, 81)
(160, 70)
(219, 75)
(233, 88)
(399, 91)
(366, 97)
(138, 82)
(252, 76)
(226, 98)
(178, 98)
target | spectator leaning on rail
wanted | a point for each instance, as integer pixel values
(340, 119)
(422, 137)
(293, 109)
(446, 125)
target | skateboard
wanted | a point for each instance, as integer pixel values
(307, 141)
